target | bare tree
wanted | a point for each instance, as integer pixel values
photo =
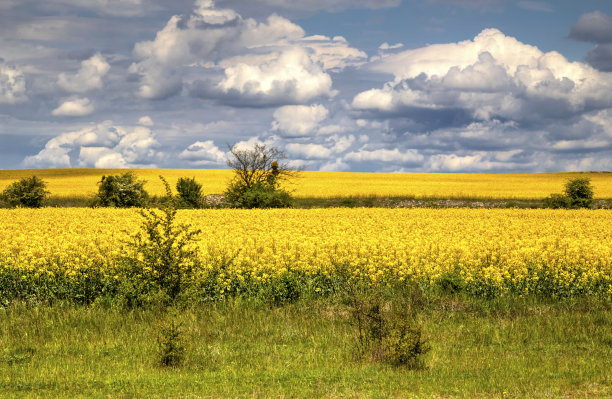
(260, 165)
(258, 173)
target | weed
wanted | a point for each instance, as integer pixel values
(171, 348)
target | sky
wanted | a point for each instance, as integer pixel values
(475, 86)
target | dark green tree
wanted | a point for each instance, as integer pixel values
(28, 192)
(579, 192)
(121, 191)
(189, 192)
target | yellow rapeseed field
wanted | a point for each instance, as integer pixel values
(83, 183)
(523, 251)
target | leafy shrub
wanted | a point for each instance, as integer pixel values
(171, 349)
(189, 192)
(121, 191)
(260, 195)
(162, 250)
(387, 329)
(580, 192)
(28, 192)
(557, 201)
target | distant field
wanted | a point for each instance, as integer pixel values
(83, 183)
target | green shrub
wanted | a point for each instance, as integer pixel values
(171, 348)
(385, 317)
(260, 195)
(557, 201)
(28, 192)
(189, 193)
(162, 252)
(121, 191)
(580, 192)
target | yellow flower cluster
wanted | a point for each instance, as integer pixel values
(519, 250)
(83, 183)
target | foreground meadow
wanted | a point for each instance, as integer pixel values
(513, 304)
(83, 183)
(487, 252)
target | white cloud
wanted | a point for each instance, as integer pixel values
(384, 155)
(298, 120)
(335, 166)
(333, 54)
(341, 143)
(76, 107)
(291, 78)
(88, 77)
(12, 84)
(309, 151)
(262, 63)
(145, 121)
(100, 146)
(203, 153)
(476, 161)
(493, 76)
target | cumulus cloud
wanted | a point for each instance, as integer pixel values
(145, 120)
(291, 78)
(88, 77)
(76, 107)
(394, 156)
(491, 77)
(595, 27)
(261, 62)
(203, 153)
(12, 84)
(309, 150)
(101, 146)
(298, 120)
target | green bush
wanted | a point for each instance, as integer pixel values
(189, 193)
(557, 201)
(28, 192)
(171, 348)
(580, 192)
(121, 191)
(260, 195)
(163, 251)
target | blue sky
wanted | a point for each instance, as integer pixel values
(345, 85)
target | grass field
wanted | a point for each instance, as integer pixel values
(520, 349)
(83, 183)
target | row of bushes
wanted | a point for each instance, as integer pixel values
(114, 191)
(124, 191)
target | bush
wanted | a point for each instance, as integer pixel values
(171, 348)
(580, 192)
(258, 173)
(189, 193)
(258, 196)
(121, 191)
(163, 252)
(29, 192)
(557, 201)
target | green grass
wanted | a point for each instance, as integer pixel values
(489, 349)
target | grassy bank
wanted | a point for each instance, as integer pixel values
(490, 349)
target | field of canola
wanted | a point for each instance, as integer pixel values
(494, 251)
(83, 183)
